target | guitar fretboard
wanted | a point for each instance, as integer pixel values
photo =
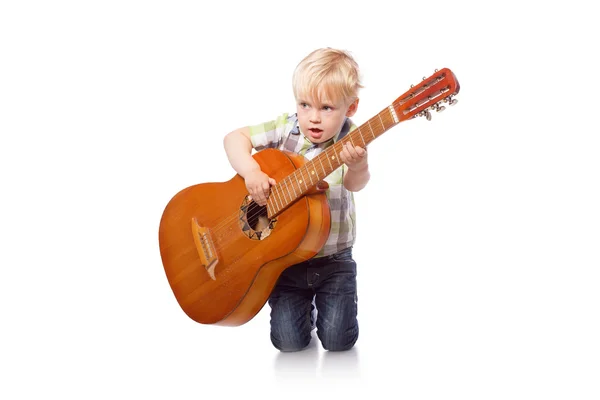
(299, 182)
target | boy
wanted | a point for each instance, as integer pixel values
(325, 85)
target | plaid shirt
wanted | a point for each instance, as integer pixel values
(283, 133)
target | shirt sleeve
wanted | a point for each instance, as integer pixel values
(268, 134)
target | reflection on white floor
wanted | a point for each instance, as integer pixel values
(315, 362)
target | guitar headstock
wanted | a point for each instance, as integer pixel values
(428, 95)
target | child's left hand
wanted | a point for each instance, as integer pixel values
(354, 157)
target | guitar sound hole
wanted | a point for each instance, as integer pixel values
(254, 220)
(257, 217)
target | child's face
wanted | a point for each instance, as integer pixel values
(322, 119)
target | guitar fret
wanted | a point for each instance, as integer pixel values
(297, 181)
(331, 165)
(273, 197)
(272, 209)
(292, 185)
(310, 175)
(288, 190)
(382, 125)
(361, 137)
(308, 179)
(283, 196)
(393, 113)
(278, 198)
(323, 168)
(305, 178)
(337, 154)
(371, 128)
(302, 178)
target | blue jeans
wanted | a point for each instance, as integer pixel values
(329, 283)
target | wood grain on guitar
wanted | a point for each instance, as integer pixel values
(222, 253)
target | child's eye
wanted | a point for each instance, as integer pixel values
(304, 105)
(327, 108)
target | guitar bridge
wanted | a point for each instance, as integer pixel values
(205, 247)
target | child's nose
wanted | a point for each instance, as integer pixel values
(315, 116)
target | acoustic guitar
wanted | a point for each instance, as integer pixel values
(223, 254)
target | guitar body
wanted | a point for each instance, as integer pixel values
(220, 260)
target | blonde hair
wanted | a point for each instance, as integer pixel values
(327, 73)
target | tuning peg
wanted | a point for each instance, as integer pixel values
(450, 100)
(424, 113)
(437, 107)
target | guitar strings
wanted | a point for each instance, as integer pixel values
(259, 210)
(221, 242)
(255, 210)
(226, 223)
(337, 146)
(376, 119)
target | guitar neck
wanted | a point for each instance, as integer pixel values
(416, 102)
(298, 183)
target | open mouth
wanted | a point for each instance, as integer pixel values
(316, 133)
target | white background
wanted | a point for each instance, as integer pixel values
(479, 233)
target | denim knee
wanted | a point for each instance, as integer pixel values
(334, 340)
(290, 344)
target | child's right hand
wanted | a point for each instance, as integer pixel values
(259, 185)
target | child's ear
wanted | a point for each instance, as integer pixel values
(352, 108)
